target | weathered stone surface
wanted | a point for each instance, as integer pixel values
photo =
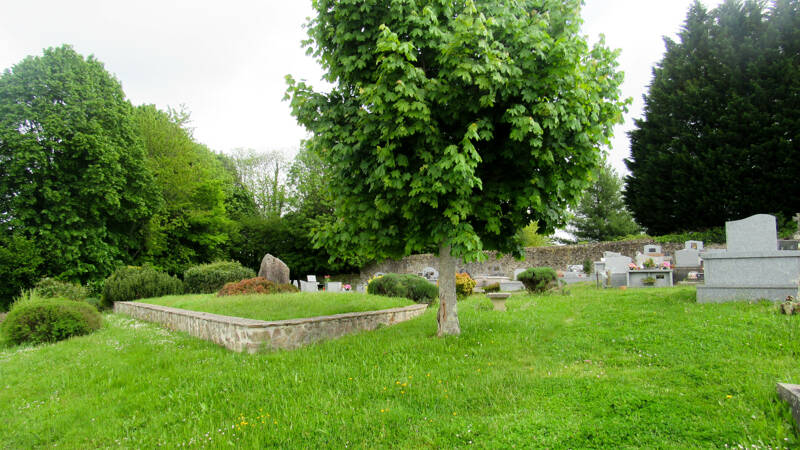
(274, 270)
(790, 393)
(249, 335)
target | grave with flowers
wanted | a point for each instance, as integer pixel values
(649, 274)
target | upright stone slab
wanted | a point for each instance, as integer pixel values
(752, 268)
(753, 234)
(274, 270)
(688, 257)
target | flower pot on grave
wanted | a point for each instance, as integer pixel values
(499, 300)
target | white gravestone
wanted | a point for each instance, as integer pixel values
(334, 286)
(693, 245)
(306, 286)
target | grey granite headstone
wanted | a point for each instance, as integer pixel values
(618, 264)
(755, 233)
(334, 286)
(687, 257)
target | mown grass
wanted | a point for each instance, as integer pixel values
(595, 369)
(281, 306)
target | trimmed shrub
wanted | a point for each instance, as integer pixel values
(208, 278)
(257, 285)
(464, 285)
(49, 320)
(132, 283)
(412, 287)
(538, 279)
(494, 287)
(52, 288)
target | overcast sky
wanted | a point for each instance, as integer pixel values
(226, 61)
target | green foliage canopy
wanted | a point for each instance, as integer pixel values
(73, 179)
(721, 129)
(453, 123)
(601, 213)
(192, 225)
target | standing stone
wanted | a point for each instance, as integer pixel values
(753, 234)
(274, 270)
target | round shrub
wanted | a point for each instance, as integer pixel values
(208, 278)
(52, 288)
(538, 279)
(464, 285)
(49, 320)
(131, 283)
(412, 287)
(258, 285)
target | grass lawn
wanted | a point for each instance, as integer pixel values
(598, 368)
(281, 306)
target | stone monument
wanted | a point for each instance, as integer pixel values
(752, 267)
(274, 270)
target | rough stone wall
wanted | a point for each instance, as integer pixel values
(557, 257)
(251, 335)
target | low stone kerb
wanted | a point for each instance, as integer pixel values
(251, 335)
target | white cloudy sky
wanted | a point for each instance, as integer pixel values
(226, 61)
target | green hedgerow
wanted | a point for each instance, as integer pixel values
(538, 279)
(52, 288)
(412, 287)
(131, 283)
(41, 320)
(209, 278)
(257, 285)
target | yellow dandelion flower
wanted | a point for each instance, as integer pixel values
(454, 413)
(404, 384)
(402, 392)
(275, 422)
(729, 396)
(428, 375)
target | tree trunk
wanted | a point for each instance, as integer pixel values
(448, 314)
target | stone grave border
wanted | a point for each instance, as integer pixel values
(790, 393)
(250, 335)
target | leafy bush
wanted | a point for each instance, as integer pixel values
(208, 278)
(538, 279)
(494, 287)
(464, 285)
(20, 266)
(258, 285)
(52, 288)
(412, 287)
(49, 320)
(131, 283)
(587, 266)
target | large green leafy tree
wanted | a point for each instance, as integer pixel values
(721, 129)
(192, 225)
(73, 179)
(453, 124)
(289, 237)
(601, 214)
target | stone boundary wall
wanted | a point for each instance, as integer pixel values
(557, 257)
(252, 335)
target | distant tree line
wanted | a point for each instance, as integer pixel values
(89, 182)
